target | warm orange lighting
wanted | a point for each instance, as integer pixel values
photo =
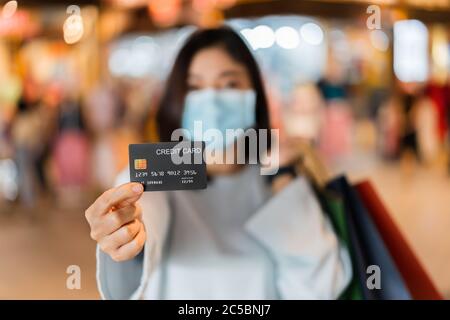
(129, 3)
(202, 5)
(439, 54)
(208, 5)
(164, 12)
(224, 4)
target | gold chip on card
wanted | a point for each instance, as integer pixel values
(140, 164)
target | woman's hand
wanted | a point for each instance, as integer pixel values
(116, 222)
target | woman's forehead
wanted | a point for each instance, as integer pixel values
(214, 61)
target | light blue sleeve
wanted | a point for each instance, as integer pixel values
(118, 280)
(129, 279)
(310, 261)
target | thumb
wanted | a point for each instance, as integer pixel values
(138, 190)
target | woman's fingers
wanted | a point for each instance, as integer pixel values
(116, 221)
(120, 237)
(107, 224)
(132, 248)
(121, 196)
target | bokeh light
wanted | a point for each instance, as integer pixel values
(312, 33)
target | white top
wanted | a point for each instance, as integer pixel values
(232, 240)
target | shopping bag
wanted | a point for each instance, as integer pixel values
(373, 250)
(414, 274)
(311, 166)
(333, 206)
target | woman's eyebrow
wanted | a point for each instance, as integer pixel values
(229, 73)
(193, 75)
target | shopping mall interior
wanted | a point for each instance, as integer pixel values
(367, 83)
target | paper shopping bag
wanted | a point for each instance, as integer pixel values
(372, 247)
(414, 274)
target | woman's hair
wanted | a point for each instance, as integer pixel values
(172, 102)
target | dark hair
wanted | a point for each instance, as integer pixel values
(172, 102)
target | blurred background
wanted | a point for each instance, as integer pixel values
(366, 81)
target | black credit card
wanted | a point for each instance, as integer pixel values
(168, 165)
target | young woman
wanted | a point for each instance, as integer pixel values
(245, 236)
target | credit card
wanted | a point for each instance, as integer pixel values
(168, 165)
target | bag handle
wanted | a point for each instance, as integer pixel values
(311, 165)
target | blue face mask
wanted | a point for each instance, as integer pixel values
(219, 109)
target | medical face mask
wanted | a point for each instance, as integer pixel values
(220, 110)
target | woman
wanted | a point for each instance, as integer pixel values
(243, 237)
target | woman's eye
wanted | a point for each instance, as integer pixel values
(232, 85)
(193, 87)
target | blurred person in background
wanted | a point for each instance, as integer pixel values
(106, 118)
(303, 117)
(389, 125)
(245, 236)
(336, 135)
(104, 108)
(50, 101)
(409, 125)
(445, 122)
(71, 150)
(10, 91)
(447, 109)
(437, 94)
(30, 135)
(427, 123)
